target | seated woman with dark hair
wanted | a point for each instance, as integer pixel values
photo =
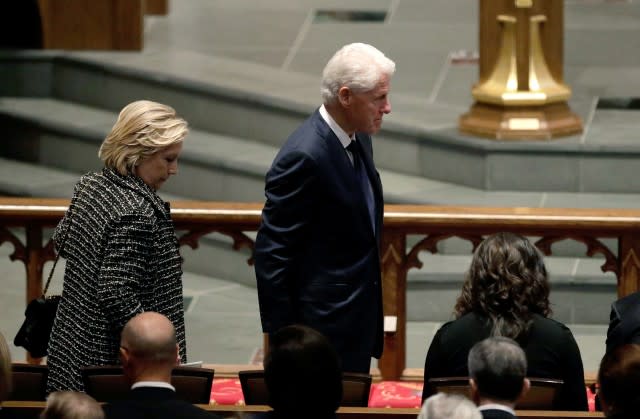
(506, 293)
(619, 380)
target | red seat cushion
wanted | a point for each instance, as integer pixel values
(396, 394)
(226, 391)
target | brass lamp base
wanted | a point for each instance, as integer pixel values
(521, 123)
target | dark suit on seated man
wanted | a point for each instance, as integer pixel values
(317, 252)
(497, 374)
(624, 322)
(148, 351)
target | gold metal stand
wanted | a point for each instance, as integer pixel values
(519, 96)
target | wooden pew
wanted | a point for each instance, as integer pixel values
(156, 7)
(399, 413)
(343, 412)
(22, 409)
(550, 414)
(93, 24)
(31, 410)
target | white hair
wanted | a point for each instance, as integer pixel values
(357, 66)
(449, 406)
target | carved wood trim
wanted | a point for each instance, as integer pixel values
(240, 239)
(19, 249)
(430, 243)
(628, 250)
(193, 220)
(594, 246)
(631, 272)
(394, 303)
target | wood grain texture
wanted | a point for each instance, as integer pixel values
(92, 24)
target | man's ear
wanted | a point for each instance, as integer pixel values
(475, 396)
(178, 360)
(124, 356)
(526, 385)
(344, 96)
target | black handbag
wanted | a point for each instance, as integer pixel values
(35, 332)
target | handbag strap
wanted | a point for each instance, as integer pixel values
(55, 262)
(64, 240)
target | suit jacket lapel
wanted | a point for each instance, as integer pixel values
(344, 167)
(371, 171)
(374, 179)
(345, 172)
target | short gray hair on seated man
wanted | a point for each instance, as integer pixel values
(498, 365)
(357, 66)
(71, 405)
(449, 406)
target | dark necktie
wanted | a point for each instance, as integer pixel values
(363, 180)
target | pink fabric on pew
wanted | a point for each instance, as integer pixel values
(226, 391)
(395, 394)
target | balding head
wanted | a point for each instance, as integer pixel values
(148, 343)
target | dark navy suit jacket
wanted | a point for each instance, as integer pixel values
(496, 414)
(154, 403)
(624, 322)
(316, 253)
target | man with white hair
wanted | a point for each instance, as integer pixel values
(317, 255)
(448, 406)
(497, 374)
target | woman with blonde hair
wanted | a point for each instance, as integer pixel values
(120, 245)
(506, 293)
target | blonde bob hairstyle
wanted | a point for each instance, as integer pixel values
(143, 127)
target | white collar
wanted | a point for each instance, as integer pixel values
(159, 384)
(496, 406)
(344, 138)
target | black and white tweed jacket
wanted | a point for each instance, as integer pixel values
(122, 259)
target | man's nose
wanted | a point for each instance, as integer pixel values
(387, 106)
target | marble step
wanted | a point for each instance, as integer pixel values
(66, 135)
(264, 104)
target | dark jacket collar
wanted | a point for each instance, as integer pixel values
(152, 393)
(136, 184)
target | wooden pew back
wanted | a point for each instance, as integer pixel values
(31, 410)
